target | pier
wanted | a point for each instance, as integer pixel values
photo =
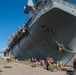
(21, 68)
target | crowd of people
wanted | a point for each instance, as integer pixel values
(48, 62)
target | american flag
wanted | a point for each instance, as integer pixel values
(9, 37)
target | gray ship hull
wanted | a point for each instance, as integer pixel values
(41, 43)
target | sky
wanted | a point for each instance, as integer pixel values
(71, 1)
(12, 17)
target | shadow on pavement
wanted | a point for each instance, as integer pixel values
(7, 67)
(69, 72)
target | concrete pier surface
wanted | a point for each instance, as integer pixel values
(16, 68)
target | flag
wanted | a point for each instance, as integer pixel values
(10, 37)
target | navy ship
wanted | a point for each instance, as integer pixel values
(50, 32)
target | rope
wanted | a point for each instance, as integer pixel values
(48, 53)
(63, 49)
(60, 44)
